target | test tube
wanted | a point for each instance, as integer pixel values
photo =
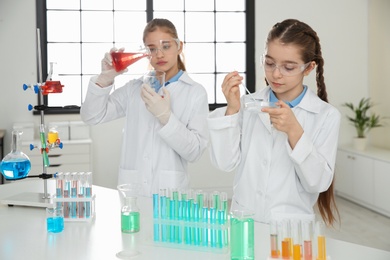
(321, 243)
(190, 216)
(163, 212)
(205, 213)
(81, 194)
(296, 232)
(222, 219)
(73, 194)
(307, 236)
(286, 239)
(156, 211)
(274, 232)
(67, 193)
(174, 213)
(214, 205)
(59, 187)
(43, 146)
(88, 193)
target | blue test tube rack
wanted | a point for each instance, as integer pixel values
(74, 194)
(186, 220)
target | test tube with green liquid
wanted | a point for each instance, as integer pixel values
(156, 211)
(191, 212)
(43, 146)
(222, 216)
(242, 235)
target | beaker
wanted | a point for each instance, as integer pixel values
(121, 60)
(15, 165)
(130, 215)
(242, 235)
(155, 79)
(55, 219)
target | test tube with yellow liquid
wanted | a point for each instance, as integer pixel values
(321, 242)
(296, 231)
(274, 238)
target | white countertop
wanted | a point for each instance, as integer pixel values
(23, 233)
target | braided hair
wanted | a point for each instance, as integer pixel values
(297, 33)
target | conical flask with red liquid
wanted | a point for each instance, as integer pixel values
(121, 60)
(51, 86)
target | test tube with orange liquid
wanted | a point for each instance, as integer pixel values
(274, 239)
(286, 239)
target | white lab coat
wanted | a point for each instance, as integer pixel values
(272, 179)
(153, 155)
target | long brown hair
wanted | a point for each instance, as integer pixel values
(168, 27)
(299, 34)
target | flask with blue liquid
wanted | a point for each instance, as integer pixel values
(15, 165)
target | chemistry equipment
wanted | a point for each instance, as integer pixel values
(54, 219)
(155, 79)
(15, 165)
(242, 235)
(130, 216)
(121, 60)
(47, 87)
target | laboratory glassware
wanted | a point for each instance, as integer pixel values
(155, 79)
(121, 60)
(55, 219)
(242, 235)
(15, 165)
(130, 213)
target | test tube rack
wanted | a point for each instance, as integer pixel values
(74, 195)
(297, 239)
(189, 224)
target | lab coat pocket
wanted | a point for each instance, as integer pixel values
(128, 176)
(173, 179)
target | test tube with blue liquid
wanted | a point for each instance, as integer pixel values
(222, 219)
(81, 194)
(67, 191)
(190, 217)
(59, 186)
(163, 213)
(73, 194)
(205, 219)
(214, 206)
(156, 226)
(174, 214)
(88, 193)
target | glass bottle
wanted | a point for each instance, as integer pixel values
(15, 165)
(130, 213)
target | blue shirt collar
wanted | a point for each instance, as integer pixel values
(174, 78)
(293, 103)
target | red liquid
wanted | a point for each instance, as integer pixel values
(51, 87)
(121, 60)
(307, 250)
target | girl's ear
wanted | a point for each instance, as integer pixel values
(309, 68)
(180, 50)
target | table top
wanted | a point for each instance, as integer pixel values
(23, 233)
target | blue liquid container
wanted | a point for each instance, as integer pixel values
(15, 165)
(55, 224)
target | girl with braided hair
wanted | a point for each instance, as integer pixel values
(284, 156)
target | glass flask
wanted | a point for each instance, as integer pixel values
(130, 213)
(15, 165)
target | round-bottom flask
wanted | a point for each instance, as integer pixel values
(15, 165)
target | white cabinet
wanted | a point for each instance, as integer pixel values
(76, 155)
(364, 177)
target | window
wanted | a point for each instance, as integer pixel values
(218, 36)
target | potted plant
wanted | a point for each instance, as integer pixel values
(362, 122)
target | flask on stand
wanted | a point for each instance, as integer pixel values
(15, 165)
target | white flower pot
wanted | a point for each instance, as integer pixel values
(360, 143)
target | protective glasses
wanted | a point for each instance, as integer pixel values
(286, 69)
(166, 47)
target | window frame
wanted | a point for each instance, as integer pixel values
(41, 22)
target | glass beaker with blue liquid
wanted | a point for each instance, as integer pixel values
(15, 165)
(55, 219)
(242, 235)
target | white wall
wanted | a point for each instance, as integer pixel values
(342, 26)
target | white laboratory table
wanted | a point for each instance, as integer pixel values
(23, 233)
